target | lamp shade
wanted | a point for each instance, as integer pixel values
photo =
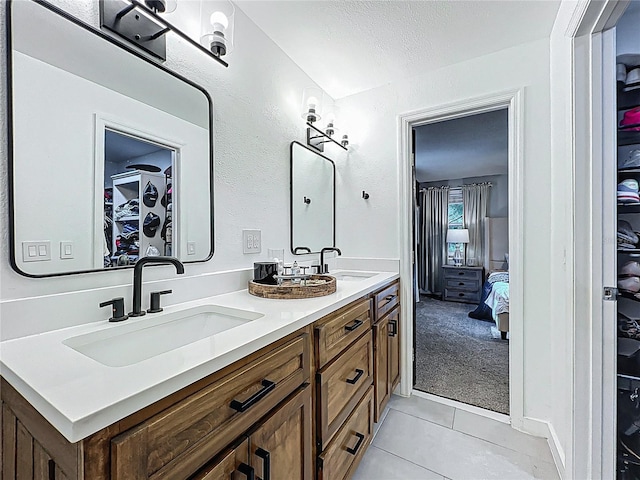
(458, 235)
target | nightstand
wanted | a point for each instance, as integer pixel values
(462, 284)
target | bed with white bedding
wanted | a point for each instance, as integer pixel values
(494, 303)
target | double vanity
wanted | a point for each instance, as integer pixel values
(233, 383)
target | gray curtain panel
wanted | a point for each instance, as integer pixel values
(475, 198)
(432, 253)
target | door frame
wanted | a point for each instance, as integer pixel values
(592, 115)
(512, 101)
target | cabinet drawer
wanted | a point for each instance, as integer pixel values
(462, 284)
(339, 330)
(231, 461)
(463, 273)
(179, 440)
(343, 454)
(342, 384)
(461, 296)
(386, 300)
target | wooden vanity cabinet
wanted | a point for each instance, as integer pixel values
(279, 447)
(386, 338)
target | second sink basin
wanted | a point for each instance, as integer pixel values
(353, 276)
(123, 345)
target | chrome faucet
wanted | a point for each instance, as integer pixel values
(137, 279)
(324, 268)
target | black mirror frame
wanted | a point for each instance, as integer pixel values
(333, 165)
(10, 159)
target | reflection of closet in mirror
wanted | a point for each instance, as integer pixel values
(138, 194)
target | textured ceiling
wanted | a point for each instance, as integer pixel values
(473, 146)
(350, 46)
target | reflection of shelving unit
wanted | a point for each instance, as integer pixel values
(129, 187)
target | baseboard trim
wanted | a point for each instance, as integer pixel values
(544, 429)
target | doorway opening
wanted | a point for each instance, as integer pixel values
(509, 102)
(462, 252)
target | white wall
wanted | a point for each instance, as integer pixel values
(373, 166)
(256, 116)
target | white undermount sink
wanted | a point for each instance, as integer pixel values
(129, 343)
(354, 276)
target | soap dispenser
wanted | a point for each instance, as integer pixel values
(295, 272)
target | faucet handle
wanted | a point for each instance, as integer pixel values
(155, 301)
(117, 309)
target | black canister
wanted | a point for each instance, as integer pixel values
(264, 272)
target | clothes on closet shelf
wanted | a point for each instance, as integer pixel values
(628, 191)
(626, 237)
(130, 208)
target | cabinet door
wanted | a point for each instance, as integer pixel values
(381, 353)
(281, 446)
(393, 331)
(231, 465)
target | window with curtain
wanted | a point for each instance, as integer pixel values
(456, 218)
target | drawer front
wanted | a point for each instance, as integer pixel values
(342, 384)
(462, 284)
(235, 460)
(182, 438)
(386, 300)
(339, 330)
(461, 296)
(463, 273)
(342, 456)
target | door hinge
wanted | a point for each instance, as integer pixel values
(610, 293)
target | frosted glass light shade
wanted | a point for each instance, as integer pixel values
(458, 235)
(217, 25)
(311, 107)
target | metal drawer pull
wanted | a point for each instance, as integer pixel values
(460, 283)
(389, 299)
(460, 273)
(355, 449)
(394, 324)
(461, 294)
(353, 380)
(255, 398)
(247, 471)
(266, 459)
(353, 326)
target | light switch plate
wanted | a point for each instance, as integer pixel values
(66, 250)
(251, 241)
(191, 248)
(36, 251)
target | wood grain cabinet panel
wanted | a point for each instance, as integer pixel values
(341, 385)
(393, 332)
(281, 446)
(343, 454)
(386, 300)
(183, 438)
(232, 464)
(381, 377)
(338, 330)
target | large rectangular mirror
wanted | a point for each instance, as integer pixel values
(312, 200)
(111, 154)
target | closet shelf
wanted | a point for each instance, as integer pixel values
(630, 296)
(629, 250)
(135, 218)
(628, 208)
(628, 137)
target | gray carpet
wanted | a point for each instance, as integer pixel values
(458, 357)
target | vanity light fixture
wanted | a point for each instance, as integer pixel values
(216, 26)
(141, 23)
(312, 104)
(316, 137)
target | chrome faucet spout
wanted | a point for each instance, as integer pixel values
(323, 267)
(137, 278)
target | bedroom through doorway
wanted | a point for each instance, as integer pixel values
(461, 329)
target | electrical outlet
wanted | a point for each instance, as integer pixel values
(251, 241)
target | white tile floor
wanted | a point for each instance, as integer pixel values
(423, 439)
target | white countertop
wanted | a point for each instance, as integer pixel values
(80, 396)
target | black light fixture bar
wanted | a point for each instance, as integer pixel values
(314, 140)
(137, 23)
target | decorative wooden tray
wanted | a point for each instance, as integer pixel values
(317, 286)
